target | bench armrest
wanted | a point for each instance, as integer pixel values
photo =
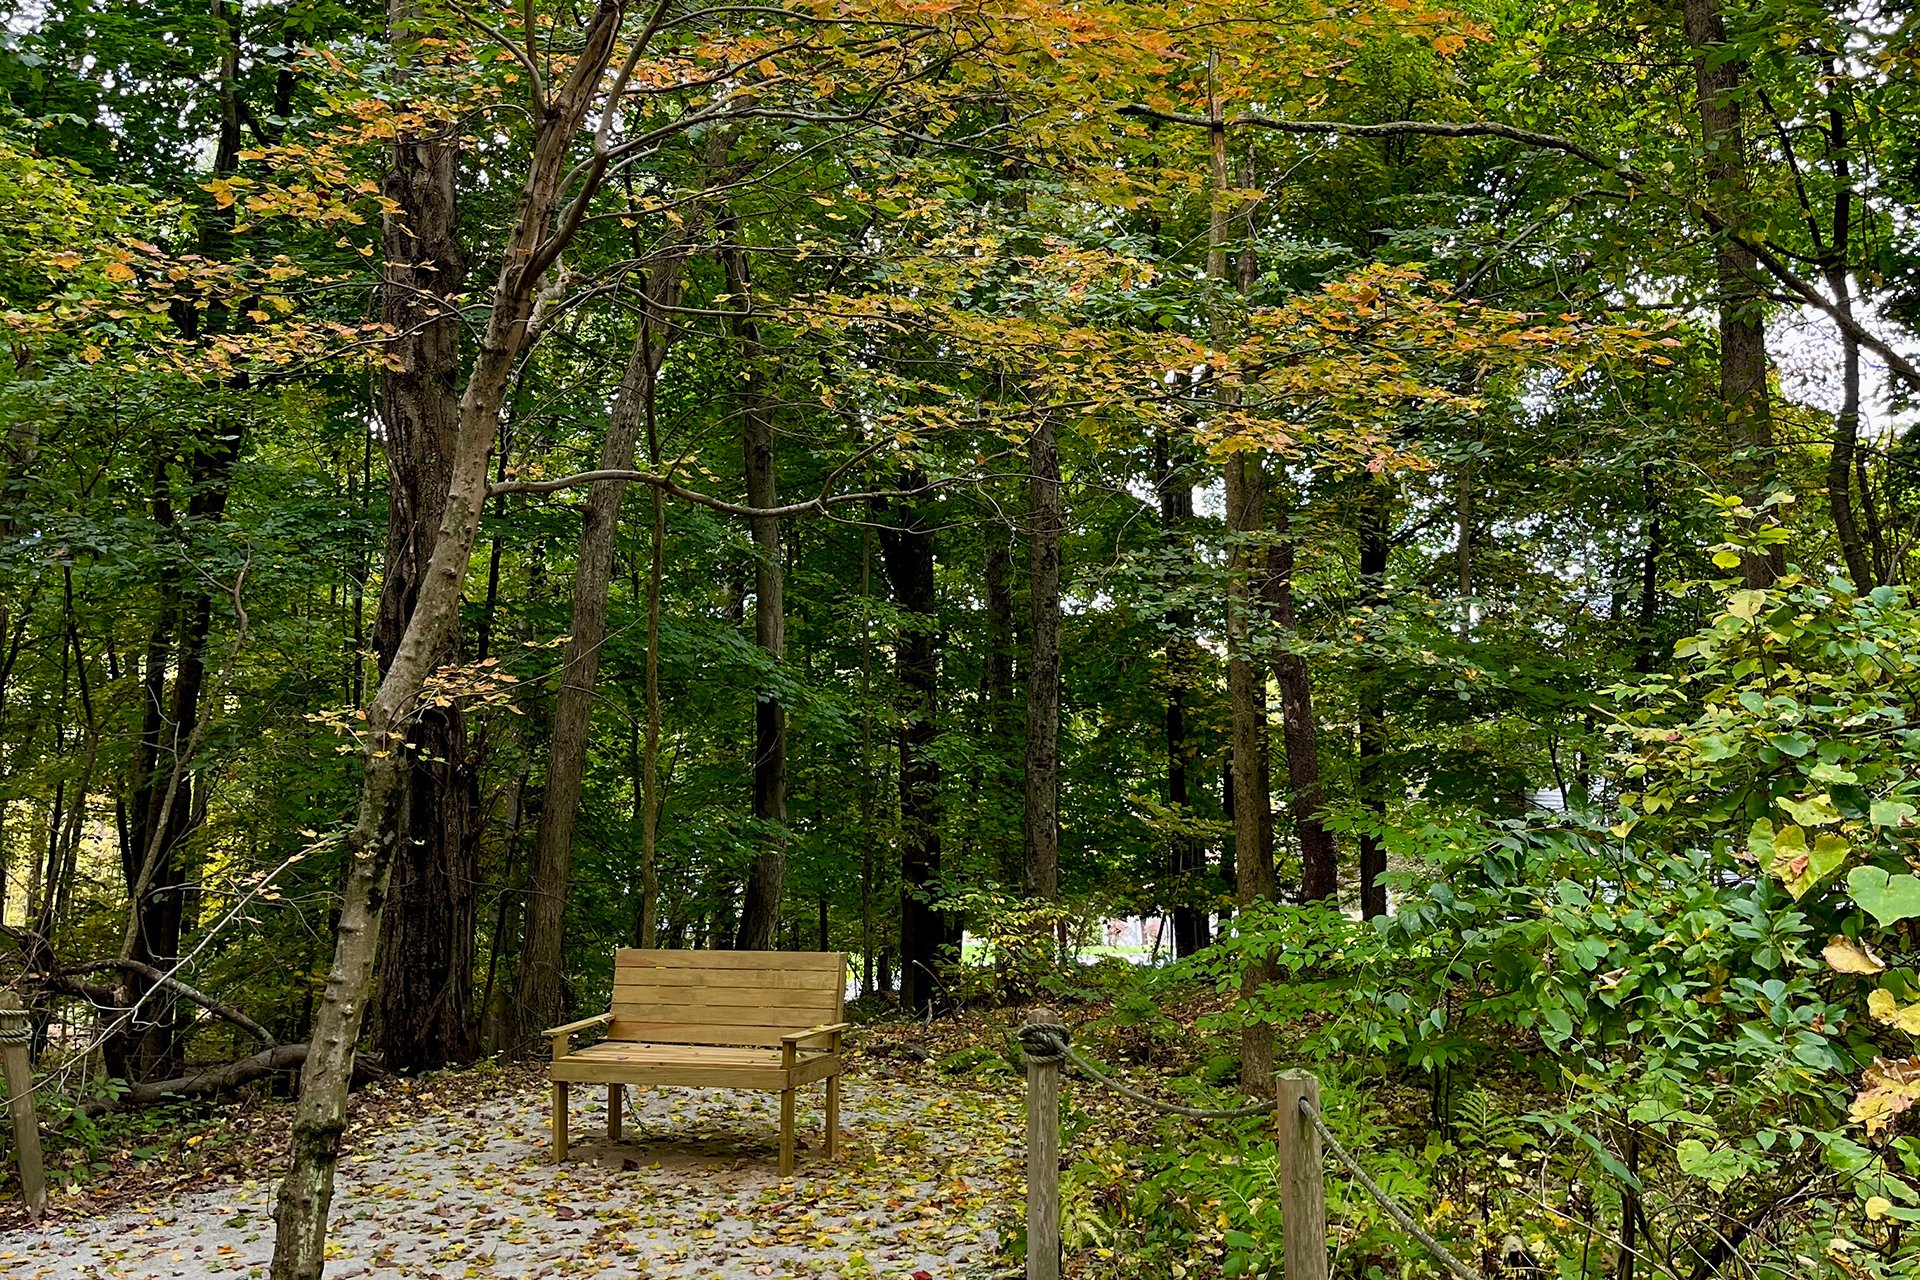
(560, 1035)
(793, 1038)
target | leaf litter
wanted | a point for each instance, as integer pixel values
(465, 1188)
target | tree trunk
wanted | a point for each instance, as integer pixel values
(1246, 685)
(1186, 856)
(1744, 395)
(1002, 717)
(908, 552)
(760, 909)
(540, 991)
(306, 1192)
(1040, 828)
(1372, 737)
(1246, 696)
(1319, 860)
(425, 1016)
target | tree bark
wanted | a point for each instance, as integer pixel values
(766, 878)
(908, 552)
(1001, 715)
(1186, 855)
(1040, 827)
(425, 1016)
(540, 987)
(306, 1192)
(1744, 395)
(1372, 736)
(1319, 860)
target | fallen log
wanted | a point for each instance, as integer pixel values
(221, 1078)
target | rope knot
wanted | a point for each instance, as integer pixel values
(1045, 1042)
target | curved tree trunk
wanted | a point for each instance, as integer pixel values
(306, 1192)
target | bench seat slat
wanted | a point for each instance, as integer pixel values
(813, 963)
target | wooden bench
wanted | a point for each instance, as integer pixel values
(730, 1019)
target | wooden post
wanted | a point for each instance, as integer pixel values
(616, 1101)
(1303, 1186)
(1043, 1162)
(15, 1037)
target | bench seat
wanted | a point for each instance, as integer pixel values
(617, 1061)
(767, 1020)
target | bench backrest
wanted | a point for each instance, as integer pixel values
(724, 997)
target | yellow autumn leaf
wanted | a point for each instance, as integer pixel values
(1844, 955)
(1885, 1008)
(1877, 1207)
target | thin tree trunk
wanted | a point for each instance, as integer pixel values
(1040, 827)
(1186, 856)
(1372, 736)
(1001, 716)
(1246, 685)
(760, 909)
(1744, 395)
(306, 1192)
(908, 552)
(539, 999)
(1319, 860)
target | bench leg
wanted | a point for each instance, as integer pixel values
(615, 1101)
(786, 1133)
(559, 1121)
(833, 1116)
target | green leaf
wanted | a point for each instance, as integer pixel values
(1891, 813)
(1888, 899)
(1716, 1167)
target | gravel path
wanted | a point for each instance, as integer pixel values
(691, 1192)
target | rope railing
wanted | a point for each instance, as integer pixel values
(1394, 1210)
(1048, 1045)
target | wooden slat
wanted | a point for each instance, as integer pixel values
(646, 1051)
(591, 1072)
(714, 1016)
(781, 979)
(696, 1065)
(695, 1033)
(725, 997)
(794, 961)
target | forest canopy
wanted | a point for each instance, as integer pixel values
(1417, 498)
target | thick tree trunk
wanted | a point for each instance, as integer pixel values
(1040, 827)
(1372, 737)
(540, 986)
(1186, 855)
(1744, 395)
(425, 1017)
(1319, 860)
(908, 551)
(306, 1193)
(760, 909)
